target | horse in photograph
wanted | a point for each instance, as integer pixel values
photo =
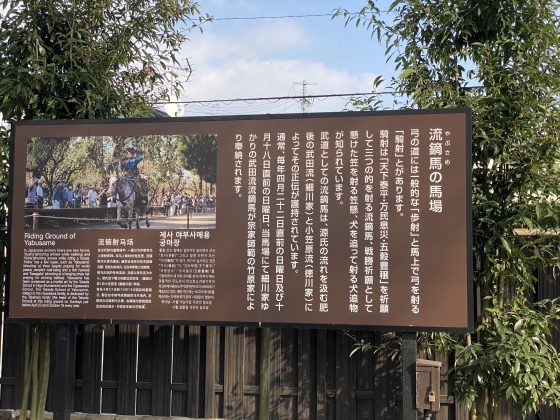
(125, 190)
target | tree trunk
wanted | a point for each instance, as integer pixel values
(493, 406)
(473, 413)
(481, 406)
(37, 359)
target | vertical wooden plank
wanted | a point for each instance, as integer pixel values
(251, 364)
(447, 410)
(193, 390)
(51, 396)
(162, 337)
(275, 372)
(451, 408)
(352, 376)
(461, 412)
(321, 375)
(331, 374)
(289, 374)
(145, 375)
(229, 375)
(233, 372)
(264, 376)
(340, 378)
(12, 365)
(109, 371)
(179, 370)
(220, 369)
(251, 351)
(90, 355)
(387, 384)
(345, 392)
(78, 369)
(126, 373)
(364, 371)
(210, 373)
(305, 381)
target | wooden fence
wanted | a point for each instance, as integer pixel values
(195, 371)
(215, 372)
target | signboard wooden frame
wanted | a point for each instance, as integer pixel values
(370, 213)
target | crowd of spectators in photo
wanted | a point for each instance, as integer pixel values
(66, 195)
(178, 204)
(34, 194)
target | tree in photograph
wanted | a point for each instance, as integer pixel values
(65, 159)
(68, 59)
(163, 164)
(200, 156)
(499, 58)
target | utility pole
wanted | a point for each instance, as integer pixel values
(305, 102)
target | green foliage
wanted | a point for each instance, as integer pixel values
(429, 344)
(374, 102)
(516, 359)
(499, 58)
(90, 58)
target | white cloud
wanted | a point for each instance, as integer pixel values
(254, 78)
(255, 41)
(265, 61)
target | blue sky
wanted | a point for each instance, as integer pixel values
(267, 57)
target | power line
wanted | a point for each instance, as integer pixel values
(281, 98)
(272, 17)
(333, 14)
(310, 15)
(296, 97)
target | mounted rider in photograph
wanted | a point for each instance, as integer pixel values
(130, 169)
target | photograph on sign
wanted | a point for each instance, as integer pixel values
(352, 219)
(109, 182)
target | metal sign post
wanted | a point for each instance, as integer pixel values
(64, 370)
(409, 375)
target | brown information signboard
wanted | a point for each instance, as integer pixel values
(347, 219)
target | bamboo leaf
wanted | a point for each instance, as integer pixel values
(506, 244)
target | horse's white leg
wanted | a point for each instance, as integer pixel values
(119, 215)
